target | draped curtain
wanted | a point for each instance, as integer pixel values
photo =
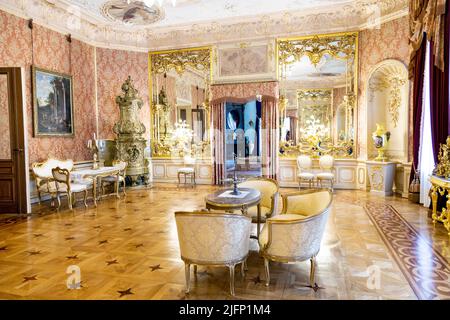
(439, 93)
(218, 140)
(427, 16)
(242, 93)
(269, 119)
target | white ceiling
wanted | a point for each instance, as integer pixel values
(188, 12)
(206, 22)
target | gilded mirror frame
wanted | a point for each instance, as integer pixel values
(159, 62)
(315, 47)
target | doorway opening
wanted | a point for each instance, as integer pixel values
(243, 139)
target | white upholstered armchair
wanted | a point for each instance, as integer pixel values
(326, 164)
(42, 172)
(296, 234)
(216, 239)
(269, 197)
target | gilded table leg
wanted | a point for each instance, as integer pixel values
(117, 186)
(94, 190)
(258, 222)
(434, 198)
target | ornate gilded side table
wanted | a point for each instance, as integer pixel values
(440, 185)
(251, 197)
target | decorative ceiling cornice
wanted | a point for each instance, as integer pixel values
(59, 16)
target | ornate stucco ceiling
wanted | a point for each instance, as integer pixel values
(200, 22)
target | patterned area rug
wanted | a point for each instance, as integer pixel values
(426, 270)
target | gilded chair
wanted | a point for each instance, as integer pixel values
(64, 187)
(304, 164)
(214, 239)
(269, 197)
(326, 164)
(296, 234)
(188, 170)
(116, 180)
(42, 172)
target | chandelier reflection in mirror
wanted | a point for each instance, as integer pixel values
(181, 138)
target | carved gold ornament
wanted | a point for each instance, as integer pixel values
(377, 178)
(394, 83)
(339, 47)
(443, 167)
(179, 60)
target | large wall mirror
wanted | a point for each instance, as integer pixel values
(318, 81)
(180, 81)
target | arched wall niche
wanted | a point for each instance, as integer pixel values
(387, 104)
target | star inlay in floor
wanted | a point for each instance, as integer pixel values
(124, 292)
(156, 267)
(32, 278)
(356, 238)
(112, 262)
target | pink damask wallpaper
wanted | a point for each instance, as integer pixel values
(52, 51)
(389, 41)
(5, 148)
(244, 90)
(114, 67)
(243, 61)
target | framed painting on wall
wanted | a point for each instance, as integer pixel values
(52, 103)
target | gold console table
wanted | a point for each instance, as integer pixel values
(440, 185)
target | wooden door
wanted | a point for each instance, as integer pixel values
(13, 196)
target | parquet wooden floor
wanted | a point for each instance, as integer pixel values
(128, 249)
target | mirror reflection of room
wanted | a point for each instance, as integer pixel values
(317, 95)
(180, 100)
(243, 138)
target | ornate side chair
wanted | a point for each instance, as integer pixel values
(326, 164)
(113, 179)
(304, 164)
(296, 234)
(269, 197)
(215, 239)
(188, 170)
(65, 187)
(42, 172)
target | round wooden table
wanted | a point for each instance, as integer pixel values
(253, 198)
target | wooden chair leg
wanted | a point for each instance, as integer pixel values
(187, 273)
(85, 198)
(69, 200)
(39, 198)
(231, 279)
(266, 267)
(195, 269)
(312, 279)
(58, 199)
(178, 176)
(124, 191)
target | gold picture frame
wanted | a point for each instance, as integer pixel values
(52, 114)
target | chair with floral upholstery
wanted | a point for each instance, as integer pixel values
(269, 197)
(42, 172)
(296, 234)
(215, 239)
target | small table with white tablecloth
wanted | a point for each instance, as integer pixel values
(95, 174)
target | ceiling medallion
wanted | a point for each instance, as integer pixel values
(135, 13)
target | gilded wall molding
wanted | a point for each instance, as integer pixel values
(59, 16)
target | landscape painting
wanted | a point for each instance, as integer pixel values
(53, 105)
